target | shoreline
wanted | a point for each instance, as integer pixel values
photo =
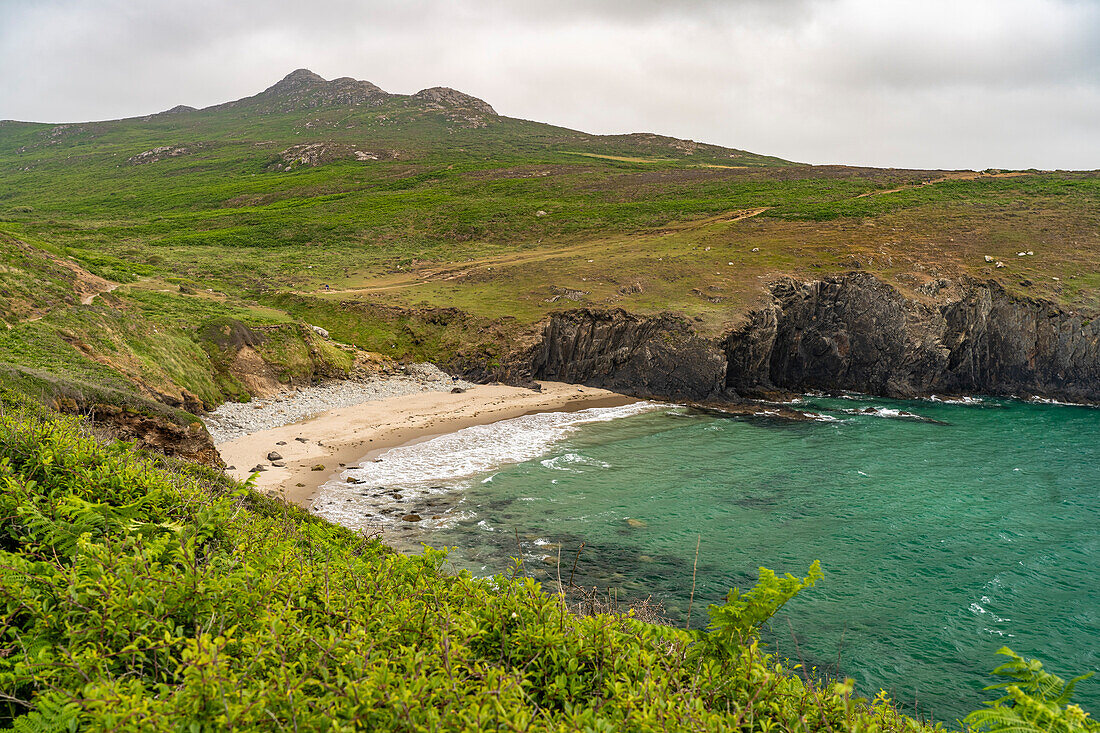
(346, 436)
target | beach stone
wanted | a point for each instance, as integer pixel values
(299, 485)
(274, 456)
(318, 467)
(233, 420)
(281, 442)
(635, 523)
(258, 467)
(397, 496)
(230, 468)
(278, 464)
(411, 518)
(457, 390)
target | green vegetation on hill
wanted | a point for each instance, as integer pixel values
(168, 263)
(341, 203)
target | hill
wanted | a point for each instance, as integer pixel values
(429, 226)
(151, 268)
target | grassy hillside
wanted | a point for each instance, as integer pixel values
(169, 263)
(332, 198)
(329, 199)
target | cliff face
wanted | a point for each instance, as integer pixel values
(851, 332)
(652, 357)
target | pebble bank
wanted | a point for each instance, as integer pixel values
(237, 419)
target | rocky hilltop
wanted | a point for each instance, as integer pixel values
(302, 89)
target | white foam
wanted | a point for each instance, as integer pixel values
(1051, 401)
(885, 412)
(441, 464)
(569, 462)
(481, 448)
(956, 400)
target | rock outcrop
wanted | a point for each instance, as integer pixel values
(649, 357)
(850, 332)
(156, 432)
(447, 98)
(302, 89)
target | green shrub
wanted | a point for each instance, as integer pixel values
(1035, 701)
(138, 593)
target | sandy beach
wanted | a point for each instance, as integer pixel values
(315, 450)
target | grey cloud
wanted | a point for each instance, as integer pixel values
(937, 83)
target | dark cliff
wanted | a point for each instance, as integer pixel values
(850, 332)
(650, 357)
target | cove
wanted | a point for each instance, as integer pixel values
(945, 530)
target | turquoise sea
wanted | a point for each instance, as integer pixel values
(945, 530)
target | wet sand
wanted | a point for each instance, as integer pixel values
(314, 451)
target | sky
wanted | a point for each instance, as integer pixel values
(895, 83)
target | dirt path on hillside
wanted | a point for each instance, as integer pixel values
(87, 285)
(958, 176)
(458, 270)
(87, 299)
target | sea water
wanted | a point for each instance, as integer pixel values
(946, 529)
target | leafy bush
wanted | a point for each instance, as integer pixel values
(739, 619)
(1036, 700)
(140, 593)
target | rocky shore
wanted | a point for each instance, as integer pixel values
(237, 419)
(851, 332)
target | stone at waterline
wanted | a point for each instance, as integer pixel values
(318, 467)
(274, 456)
(411, 518)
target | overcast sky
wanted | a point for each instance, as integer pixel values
(922, 83)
